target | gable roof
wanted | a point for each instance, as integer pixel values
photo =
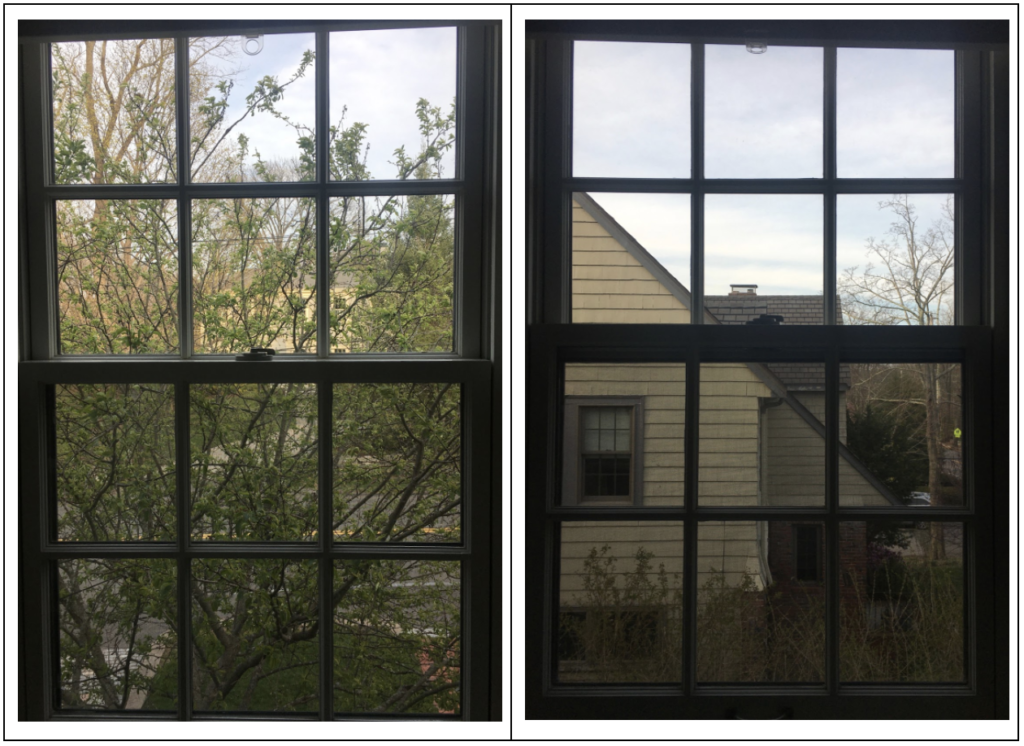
(794, 309)
(781, 378)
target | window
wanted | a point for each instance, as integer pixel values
(808, 552)
(773, 528)
(604, 455)
(210, 530)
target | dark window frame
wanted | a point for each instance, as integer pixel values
(980, 341)
(473, 363)
(572, 484)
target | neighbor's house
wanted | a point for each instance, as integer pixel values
(761, 433)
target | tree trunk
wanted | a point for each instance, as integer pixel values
(937, 545)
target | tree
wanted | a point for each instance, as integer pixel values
(254, 448)
(909, 280)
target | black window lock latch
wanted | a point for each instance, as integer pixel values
(257, 354)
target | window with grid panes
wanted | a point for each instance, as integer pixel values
(209, 529)
(795, 290)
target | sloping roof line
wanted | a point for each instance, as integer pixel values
(670, 283)
(638, 252)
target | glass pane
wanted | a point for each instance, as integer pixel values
(607, 418)
(895, 113)
(393, 104)
(118, 644)
(903, 433)
(607, 442)
(631, 109)
(397, 637)
(590, 440)
(896, 259)
(762, 434)
(252, 108)
(391, 273)
(397, 462)
(757, 621)
(117, 276)
(903, 602)
(254, 635)
(622, 440)
(115, 462)
(764, 256)
(254, 274)
(113, 111)
(763, 112)
(659, 390)
(254, 461)
(591, 418)
(631, 258)
(620, 602)
(622, 418)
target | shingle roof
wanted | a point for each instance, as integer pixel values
(795, 310)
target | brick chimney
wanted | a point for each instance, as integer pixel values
(743, 290)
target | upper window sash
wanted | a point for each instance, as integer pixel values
(550, 95)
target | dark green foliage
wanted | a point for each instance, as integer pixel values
(890, 446)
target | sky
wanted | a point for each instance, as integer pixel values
(378, 75)
(763, 118)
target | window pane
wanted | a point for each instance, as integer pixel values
(620, 602)
(397, 462)
(391, 273)
(894, 113)
(756, 621)
(113, 111)
(393, 104)
(904, 429)
(631, 109)
(397, 637)
(903, 601)
(252, 116)
(254, 635)
(631, 258)
(763, 112)
(657, 392)
(896, 259)
(118, 642)
(254, 274)
(117, 276)
(115, 462)
(767, 249)
(254, 462)
(762, 434)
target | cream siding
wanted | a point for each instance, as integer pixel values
(609, 286)
(747, 457)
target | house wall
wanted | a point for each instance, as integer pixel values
(610, 286)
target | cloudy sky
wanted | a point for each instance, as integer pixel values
(378, 75)
(763, 119)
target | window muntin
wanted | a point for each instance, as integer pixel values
(470, 396)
